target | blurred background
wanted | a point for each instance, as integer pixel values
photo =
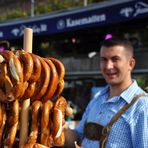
(72, 30)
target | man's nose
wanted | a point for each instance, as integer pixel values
(109, 64)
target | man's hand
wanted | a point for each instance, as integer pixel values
(76, 145)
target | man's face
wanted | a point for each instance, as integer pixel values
(116, 65)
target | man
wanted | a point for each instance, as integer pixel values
(130, 130)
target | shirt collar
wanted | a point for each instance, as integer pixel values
(130, 92)
(105, 90)
(127, 94)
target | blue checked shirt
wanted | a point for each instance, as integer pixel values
(130, 130)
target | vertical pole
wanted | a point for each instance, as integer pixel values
(85, 2)
(32, 8)
(24, 117)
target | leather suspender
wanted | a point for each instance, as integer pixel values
(107, 128)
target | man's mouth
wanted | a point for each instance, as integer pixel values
(113, 74)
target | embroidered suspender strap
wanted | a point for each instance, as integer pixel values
(107, 128)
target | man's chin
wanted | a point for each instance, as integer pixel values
(112, 82)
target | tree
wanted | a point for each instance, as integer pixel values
(11, 9)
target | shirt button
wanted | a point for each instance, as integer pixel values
(100, 113)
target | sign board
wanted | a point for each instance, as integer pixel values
(76, 19)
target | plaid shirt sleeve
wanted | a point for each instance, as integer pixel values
(139, 129)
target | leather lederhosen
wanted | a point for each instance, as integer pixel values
(95, 131)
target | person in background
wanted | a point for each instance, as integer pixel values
(117, 116)
(4, 45)
(146, 89)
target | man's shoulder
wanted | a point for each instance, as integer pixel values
(143, 100)
(137, 109)
(140, 105)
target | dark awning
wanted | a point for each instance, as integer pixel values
(100, 14)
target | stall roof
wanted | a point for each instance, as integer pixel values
(105, 13)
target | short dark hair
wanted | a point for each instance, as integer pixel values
(119, 41)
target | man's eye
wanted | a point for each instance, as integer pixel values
(115, 59)
(103, 60)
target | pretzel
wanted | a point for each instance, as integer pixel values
(59, 66)
(25, 75)
(3, 72)
(15, 71)
(46, 138)
(14, 65)
(34, 145)
(27, 63)
(61, 73)
(36, 69)
(4, 117)
(29, 91)
(36, 108)
(59, 121)
(42, 83)
(1, 115)
(6, 86)
(24, 87)
(12, 124)
(53, 82)
(59, 89)
(59, 141)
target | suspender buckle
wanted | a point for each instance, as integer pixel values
(106, 130)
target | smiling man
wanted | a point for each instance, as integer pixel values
(117, 117)
(116, 64)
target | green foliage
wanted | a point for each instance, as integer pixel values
(142, 81)
(13, 14)
(16, 14)
(42, 7)
(2, 17)
(56, 5)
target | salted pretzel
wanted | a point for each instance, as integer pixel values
(24, 87)
(3, 73)
(61, 73)
(3, 122)
(36, 68)
(27, 63)
(34, 145)
(59, 66)
(12, 124)
(46, 136)
(1, 115)
(36, 110)
(14, 65)
(53, 81)
(6, 91)
(29, 91)
(59, 89)
(58, 121)
(9, 89)
(42, 83)
(6, 86)
(15, 71)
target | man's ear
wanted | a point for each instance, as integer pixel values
(132, 63)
